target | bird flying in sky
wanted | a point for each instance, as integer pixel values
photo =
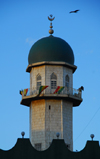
(75, 11)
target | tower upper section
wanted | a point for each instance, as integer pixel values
(51, 49)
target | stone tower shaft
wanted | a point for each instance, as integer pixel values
(51, 112)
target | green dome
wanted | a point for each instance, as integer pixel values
(51, 49)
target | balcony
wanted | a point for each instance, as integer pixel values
(71, 94)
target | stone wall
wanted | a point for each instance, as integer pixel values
(68, 123)
(37, 122)
(53, 121)
(47, 117)
(67, 71)
(40, 70)
(46, 71)
(58, 70)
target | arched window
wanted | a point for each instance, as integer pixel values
(53, 81)
(67, 81)
(38, 81)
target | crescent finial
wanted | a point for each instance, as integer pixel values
(51, 31)
(51, 19)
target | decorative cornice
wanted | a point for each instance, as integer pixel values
(29, 67)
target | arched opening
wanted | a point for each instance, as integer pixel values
(53, 81)
(38, 79)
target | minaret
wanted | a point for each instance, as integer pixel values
(51, 96)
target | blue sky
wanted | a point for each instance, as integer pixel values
(23, 22)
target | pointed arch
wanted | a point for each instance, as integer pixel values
(53, 81)
(38, 81)
(53, 76)
(38, 77)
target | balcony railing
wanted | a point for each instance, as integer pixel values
(48, 91)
